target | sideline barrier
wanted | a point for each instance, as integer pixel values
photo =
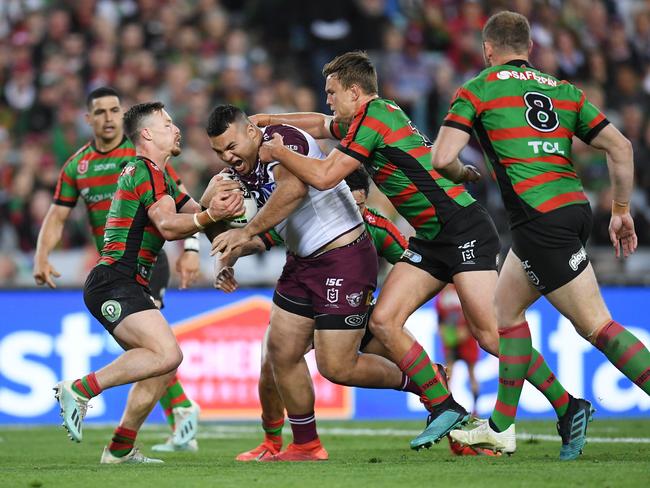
(47, 335)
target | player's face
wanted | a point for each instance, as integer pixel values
(164, 134)
(106, 117)
(360, 197)
(342, 101)
(237, 147)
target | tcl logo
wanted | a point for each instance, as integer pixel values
(334, 282)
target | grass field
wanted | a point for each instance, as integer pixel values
(362, 454)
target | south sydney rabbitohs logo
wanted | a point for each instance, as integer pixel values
(82, 166)
(111, 310)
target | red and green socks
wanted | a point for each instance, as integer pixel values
(273, 431)
(417, 366)
(515, 349)
(542, 378)
(626, 352)
(174, 397)
(122, 441)
(87, 386)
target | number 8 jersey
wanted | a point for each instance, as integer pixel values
(525, 121)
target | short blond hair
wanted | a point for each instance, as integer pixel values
(353, 68)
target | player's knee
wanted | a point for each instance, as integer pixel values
(381, 324)
(335, 372)
(171, 359)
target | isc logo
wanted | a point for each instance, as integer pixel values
(333, 281)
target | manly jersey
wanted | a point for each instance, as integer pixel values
(525, 120)
(388, 240)
(131, 241)
(93, 174)
(322, 216)
(398, 158)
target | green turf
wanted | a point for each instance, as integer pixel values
(45, 457)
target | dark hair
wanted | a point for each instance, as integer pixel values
(221, 117)
(134, 116)
(102, 91)
(508, 31)
(358, 180)
(353, 68)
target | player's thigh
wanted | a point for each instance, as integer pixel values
(514, 292)
(406, 288)
(337, 349)
(581, 302)
(476, 291)
(289, 335)
(146, 329)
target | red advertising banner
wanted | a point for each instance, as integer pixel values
(221, 365)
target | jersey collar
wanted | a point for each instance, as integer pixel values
(519, 63)
(92, 143)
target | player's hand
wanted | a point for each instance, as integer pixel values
(622, 234)
(188, 268)
(260, 120)
(470, 174)
(268, 151)
(218, 186)
(44, 273)
(227, 205)
(230, 243)
(225, 280)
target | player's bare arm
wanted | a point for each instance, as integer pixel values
(620, 162)
(285, 198)
(322, 174)
(315, 124)
(175, 226)
(445, 153)
(48, 237)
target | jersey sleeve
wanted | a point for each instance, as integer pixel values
(389, 242)
(463, 110)
(364, 136)
(179, 197)
(271, 239)
(590, 120)
(66, 192)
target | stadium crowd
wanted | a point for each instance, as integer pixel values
(193, 54)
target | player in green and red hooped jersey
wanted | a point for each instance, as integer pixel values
(525, 121)
(147, 209)
(476, 288)
(91, 174)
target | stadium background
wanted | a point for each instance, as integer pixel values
(194, 54)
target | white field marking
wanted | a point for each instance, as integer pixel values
(234, 431)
